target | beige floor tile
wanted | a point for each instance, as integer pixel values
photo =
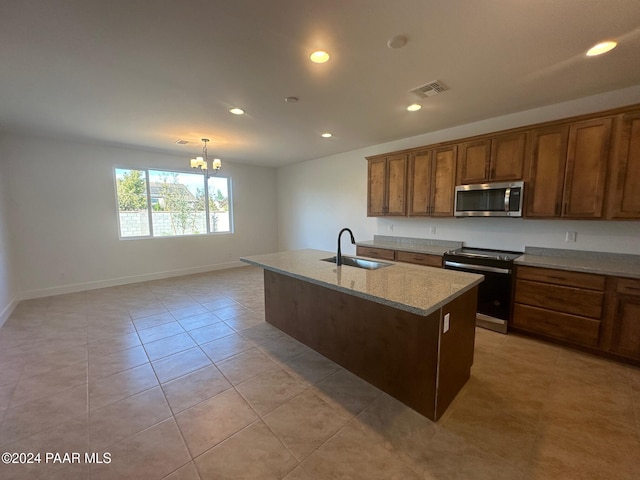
(245, 365)
(48, 384)
(310, 367)
(95, 332)
(147, 310)
(217, 303)
(188, 312)
(106, 345)
(68, 437)
(124, 418)
(214, 420)
(305, 422)
(121, 385)
(354, 454)
(169, 345)
(262, 333)
(254, 453)
(153, 334)
(187, 472)
(152, 453)
(178, 364)
(347, 391)
(231, 311)
(35, 416)
(226, 347)
(100, 367)
(269, 390)
(245, 321)
(283, 348)
(211, 332)
(153, 320)
(193, 388)
(198, 321)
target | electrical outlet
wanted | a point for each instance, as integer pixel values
(433, 229)
(447, 323)
(571, 237)
(391, 227)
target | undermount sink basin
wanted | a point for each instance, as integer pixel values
(358, 262)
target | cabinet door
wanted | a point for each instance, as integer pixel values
(474, 162)
(443, 181)
(587, 161)
(420, 183)
(626, 329)
(397, 185)
(543, 191)
(507, 157)
(376, 201)
(624, 188)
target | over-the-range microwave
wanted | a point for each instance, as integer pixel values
(489, 200)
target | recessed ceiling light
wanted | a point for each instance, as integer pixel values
(291, 99)
(600, 48)
(319, 57)
(327, 135)
(181, 142)
(398, 41)
(414, 107)
(236, 111)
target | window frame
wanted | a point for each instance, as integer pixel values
(207, 211)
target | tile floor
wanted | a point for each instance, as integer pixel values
(182, 379)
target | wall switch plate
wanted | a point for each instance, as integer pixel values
(571, 237)
(447, 323)
(391, 227)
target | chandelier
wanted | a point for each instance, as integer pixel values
(202, 163)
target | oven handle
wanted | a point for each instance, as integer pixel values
(481, 268)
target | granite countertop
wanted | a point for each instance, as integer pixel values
(414, 245)
(413, 288)
(602, 263)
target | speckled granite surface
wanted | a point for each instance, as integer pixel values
(603, 263)
(408, 244)
(413, 288)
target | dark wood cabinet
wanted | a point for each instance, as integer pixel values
(419, 259)
(387, 186)
(622, 336)
(373, 252)
(545, 181)
(432, 176)
(493, 160)
(559, 304)
(623, 190)
(586, 170)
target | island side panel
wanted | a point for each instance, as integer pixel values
(396, 351)
(456, 348)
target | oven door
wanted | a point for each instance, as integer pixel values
(494, 293)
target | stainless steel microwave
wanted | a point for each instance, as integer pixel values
(489, 200)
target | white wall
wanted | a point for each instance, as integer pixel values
(319, 197)
(62, 215)
(8, 298)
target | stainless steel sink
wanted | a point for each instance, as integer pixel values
(358, 262)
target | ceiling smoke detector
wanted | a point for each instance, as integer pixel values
(429, 89)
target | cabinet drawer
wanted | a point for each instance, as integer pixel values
(586, 303)
(381, 253)
(628, 286)
(419, 258)
(573, 328)
(562, 277)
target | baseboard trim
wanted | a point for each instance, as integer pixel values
(114, 282)
(6, 313)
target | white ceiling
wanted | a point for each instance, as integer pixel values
(144, 73)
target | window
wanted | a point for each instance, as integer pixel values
(155, 203)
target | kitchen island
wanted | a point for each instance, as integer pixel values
(407, 329)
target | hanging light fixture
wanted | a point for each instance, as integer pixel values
(202, 163)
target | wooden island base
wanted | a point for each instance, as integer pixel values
(404, 354)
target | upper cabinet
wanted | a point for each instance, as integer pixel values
(624, 191)
(387, 186)
(492, 160)
(432, 175)
(585, 167)
(567, 170)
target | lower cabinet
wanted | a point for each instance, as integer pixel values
(400, 256)
(559, 304)
(582, 309)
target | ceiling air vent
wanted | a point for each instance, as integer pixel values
(429, 89)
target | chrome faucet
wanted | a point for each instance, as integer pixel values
(339, 254)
